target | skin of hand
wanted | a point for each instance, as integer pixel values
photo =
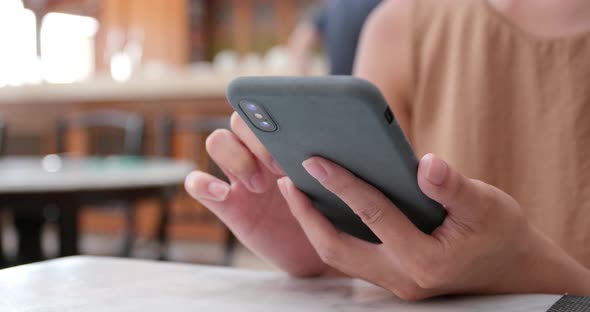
(304, 39)
(385, 58)
(504, 255)
(251, 204)
(484, 246)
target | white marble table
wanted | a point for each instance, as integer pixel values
(28, 184)
(26, 175)
(109, 285)
(169, 87)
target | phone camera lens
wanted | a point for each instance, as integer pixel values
(251, 107)
(256, 115)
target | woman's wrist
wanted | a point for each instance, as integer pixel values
(553, 271)
(331, 272)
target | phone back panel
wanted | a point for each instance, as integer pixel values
(342, 119)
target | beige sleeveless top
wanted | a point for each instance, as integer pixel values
(508, 108)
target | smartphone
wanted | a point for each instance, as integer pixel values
(343, 119)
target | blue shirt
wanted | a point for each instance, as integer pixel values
(340, 23)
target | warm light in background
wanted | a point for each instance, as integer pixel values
(18, 54)
(67, 47)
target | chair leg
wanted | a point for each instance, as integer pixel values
(28, 223)
(230, 248)
(68, 230)
(3, 263)
(129, 235)
(162, 235)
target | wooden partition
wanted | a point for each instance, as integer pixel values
(169, 35)
(31, 112)
(164, 23)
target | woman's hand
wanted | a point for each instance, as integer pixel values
(251, 205)
(485, 244)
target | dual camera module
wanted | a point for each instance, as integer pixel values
(258, 116)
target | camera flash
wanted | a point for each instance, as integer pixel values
(258, 116)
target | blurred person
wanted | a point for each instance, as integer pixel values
(497, 88)
(336, 26)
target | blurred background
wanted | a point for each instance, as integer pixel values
(83, 80)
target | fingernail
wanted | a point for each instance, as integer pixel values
(282, 183)
(257, 182)
(315, 169)
(218, 191)
(189, 185)
(436, 171)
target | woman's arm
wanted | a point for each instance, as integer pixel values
(552, 270)
(485, 245)
(385, 56)
(303, 41)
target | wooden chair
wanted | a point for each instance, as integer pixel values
(2, 136)
(2, 149)
(199, 127)
(131, 125)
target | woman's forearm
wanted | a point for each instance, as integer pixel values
(555, 272)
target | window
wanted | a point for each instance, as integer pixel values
(18, 52)
(67, 46)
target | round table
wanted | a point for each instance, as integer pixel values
(28, 184)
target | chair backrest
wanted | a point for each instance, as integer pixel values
(167, 126)
(132, 125)
(2, 136)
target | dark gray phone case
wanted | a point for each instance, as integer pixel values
(347, 121)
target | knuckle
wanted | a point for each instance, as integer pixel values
(420, 263)
(371, 214)
(218, 145)
(432, 277)
(496, 205)
(329, 253)
(410, 293)
(426, 280)
(235, 122)
(428, 269)
(260, 151)
(457, 188)
(251, 142)
(242, 165)
(495, 196)
(215, 139)
(488, 195)
(339, 186)
(486, 192)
